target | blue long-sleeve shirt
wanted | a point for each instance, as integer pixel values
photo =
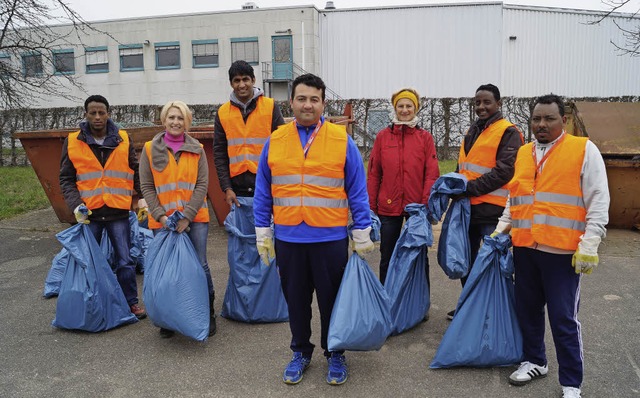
(355, 186)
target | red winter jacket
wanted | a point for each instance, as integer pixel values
(402, 168)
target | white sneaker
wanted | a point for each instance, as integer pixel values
(570, 392)
(527, 372)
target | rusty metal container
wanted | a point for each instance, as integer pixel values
(44, 149)
(615, 129)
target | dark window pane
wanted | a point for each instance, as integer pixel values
(64, 63)
(168, 57)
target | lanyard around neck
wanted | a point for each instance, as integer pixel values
(546, 155)
(313, 137)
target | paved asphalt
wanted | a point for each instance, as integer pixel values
(242, 360)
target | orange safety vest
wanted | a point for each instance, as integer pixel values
(482, 158)
(111, 185)
(309, 189)
(175, 184)
(245, 140)
(549, 209)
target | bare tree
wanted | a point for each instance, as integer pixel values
(31, 31)
(630, 45)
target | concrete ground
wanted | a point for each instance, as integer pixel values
(241, 360)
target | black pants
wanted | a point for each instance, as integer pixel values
(303, 268)
(389, 234)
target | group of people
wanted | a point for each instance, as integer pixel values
(307, 178)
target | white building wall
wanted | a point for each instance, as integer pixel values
(559, 51)
(192, 85)
(441, 50)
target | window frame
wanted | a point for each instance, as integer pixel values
(28, 54)
(166, 45)
(57, 52)
(236, 40)
(204, 42)
(136, 46)
(100, 49)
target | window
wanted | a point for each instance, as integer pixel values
(205, 53)
(32, 64)
(64, 62)
(245, 48)
(131, 58)
(5, 63)
(96, 59)
(168, 55)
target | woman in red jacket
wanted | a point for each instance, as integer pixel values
(402, 168)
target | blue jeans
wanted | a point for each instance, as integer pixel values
(198, 233)
(124, 267)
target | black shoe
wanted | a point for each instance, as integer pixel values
(450, 315)
(166, 333)
(212, 325)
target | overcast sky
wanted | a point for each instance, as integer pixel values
(117, 9)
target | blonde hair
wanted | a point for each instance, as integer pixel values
(409, 93)
(184, 110)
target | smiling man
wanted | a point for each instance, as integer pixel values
(309, 176)
(242, 125)
(557, 212)
(487, 155)
(98, 177)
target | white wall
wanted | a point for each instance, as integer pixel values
(442, 51)
(193, 85)
(559, 51)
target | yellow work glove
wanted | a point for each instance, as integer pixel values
(264, 243)
(501, 228)
(143, 210)
(82, 214)
(362, 242)
(585, 259)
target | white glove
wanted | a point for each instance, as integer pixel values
(362, 241)
(585, 259)
(501, 228)
(142, 204)
(82, 214)
(264, 243)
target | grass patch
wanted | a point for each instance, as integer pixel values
(21, 191)
(447, 166)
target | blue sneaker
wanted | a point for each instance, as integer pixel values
(295, 368)
(337, 373)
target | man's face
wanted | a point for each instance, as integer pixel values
(485, 104)
(243, 87)
(307, 104)
(97, 116)
(546, 122)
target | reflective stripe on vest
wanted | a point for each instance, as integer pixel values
(246, 140)
(111, 184)
(175, 184)
(481, 159)
(310, 189)
(550, 210)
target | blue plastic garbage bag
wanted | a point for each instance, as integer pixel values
(140, 240)
(60, 261)
(485, 331)
(254, 293)
(90, 297)
(454, 251)
(406, 281)
(361, 316)
(56, 273)
(175, 290)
